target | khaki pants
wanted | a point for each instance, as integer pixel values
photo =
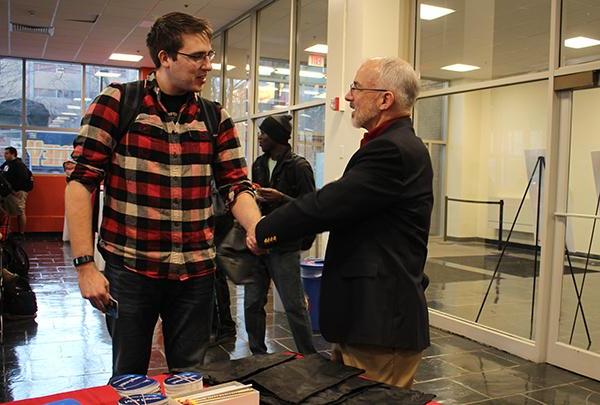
(14, 204)
(386, 365)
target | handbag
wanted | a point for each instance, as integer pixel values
(234, 257)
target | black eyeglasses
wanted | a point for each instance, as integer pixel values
(355, 87)
(200, 56)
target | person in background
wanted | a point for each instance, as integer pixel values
(373, 305)
(282, 176)
(18, 175)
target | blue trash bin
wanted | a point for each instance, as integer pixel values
(311, 271)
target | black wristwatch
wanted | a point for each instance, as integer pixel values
(81, 260)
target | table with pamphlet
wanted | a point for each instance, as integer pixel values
(271, 379)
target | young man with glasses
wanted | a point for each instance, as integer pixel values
(378, 213)
(157, 229)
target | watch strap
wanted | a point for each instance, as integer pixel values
(81, 260)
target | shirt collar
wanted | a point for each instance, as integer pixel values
(380, 129)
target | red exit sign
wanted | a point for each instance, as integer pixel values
(317, 60)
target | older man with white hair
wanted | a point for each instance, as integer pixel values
(373, 305)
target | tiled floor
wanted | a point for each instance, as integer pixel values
(460, 275)
(67, 348)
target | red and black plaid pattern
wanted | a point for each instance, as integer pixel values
(157, 217)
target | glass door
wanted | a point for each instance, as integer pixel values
(575, 304)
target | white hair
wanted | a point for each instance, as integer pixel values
(400, 78)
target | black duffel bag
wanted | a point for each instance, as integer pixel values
(234, 257)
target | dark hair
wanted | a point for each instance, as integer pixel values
(11, 150)
(165, 34)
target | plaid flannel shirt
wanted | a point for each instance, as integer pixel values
(158, 217)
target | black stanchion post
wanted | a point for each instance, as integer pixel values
(500, 224)
(540, 165)
(445, 218)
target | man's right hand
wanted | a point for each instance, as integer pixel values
(93, 286)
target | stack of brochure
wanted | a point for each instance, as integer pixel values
(182, 384)
(128, 385)
(233, 393)
(146, 399)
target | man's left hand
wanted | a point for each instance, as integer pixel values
(270, 194)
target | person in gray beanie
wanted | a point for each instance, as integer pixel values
(282, 176)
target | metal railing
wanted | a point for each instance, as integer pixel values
(500, 214)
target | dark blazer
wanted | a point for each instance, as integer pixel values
(379, 215)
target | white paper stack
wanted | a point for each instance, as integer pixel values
(182, 384)
(233, 393)
(145, 399)
(128, 385)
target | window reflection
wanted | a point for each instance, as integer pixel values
(52, 90)
(237, 74)
(11, 92)
(309, 139)
(473, 40)
(98, 77)
(274, 54)
(311, 50)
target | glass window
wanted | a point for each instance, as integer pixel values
(51, 89)
(11, 91)
(580, 32)
(242, 130)
(98, 77)
(46, 151)
(466, 41)
(502, 131)
(309, 140)
(237, 74)
(212, 88)
(431, 118)
(311, 54)
(11, 137)
(274, 56)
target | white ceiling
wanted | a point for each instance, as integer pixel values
(117, 28)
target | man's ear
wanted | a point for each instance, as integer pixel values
(164, 58)
(388, 101)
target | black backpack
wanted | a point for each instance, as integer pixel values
(5, 187)
(131, 102)
(28, 182)
(18, 300)
(14, 257)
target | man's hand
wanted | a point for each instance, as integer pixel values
(270, 194)
(93, 286)
(251, 241)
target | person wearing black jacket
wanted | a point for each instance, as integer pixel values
(282, 176)
(17, 174)
(373, 303)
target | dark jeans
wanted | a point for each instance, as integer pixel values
(284, 269)
(185, 308)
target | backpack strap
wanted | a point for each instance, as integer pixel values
(129, 107)
(211, 112)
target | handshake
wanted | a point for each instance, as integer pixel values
(251, 240)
